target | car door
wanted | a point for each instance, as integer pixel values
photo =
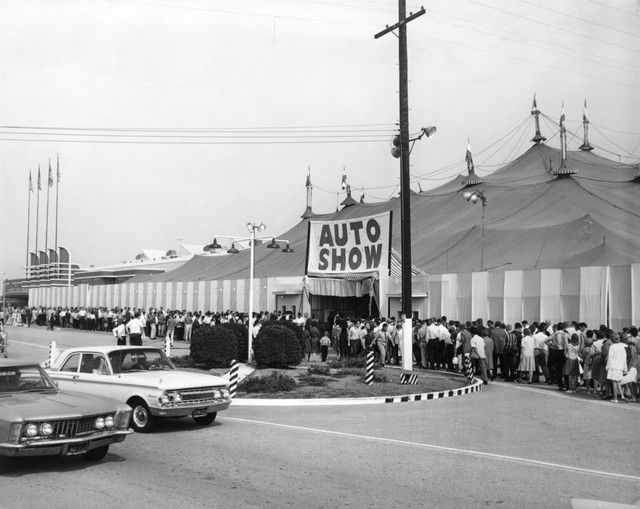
(66, 377)
(93, 375)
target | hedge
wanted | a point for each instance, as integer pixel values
(242, 336)
(276, 346)
(293, 327)
(214, 347)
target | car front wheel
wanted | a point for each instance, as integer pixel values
(141, 418)
(205, 420)
(96, 454)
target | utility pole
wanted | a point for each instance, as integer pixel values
(405, 187)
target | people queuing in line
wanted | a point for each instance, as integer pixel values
(567, 355)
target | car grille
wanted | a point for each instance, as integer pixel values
(69, 428)
(198, 395)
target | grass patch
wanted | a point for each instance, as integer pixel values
(273, 383)
(348, 362)
(319, 370)
(313, 381)
(344, 372)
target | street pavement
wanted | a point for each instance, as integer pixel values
(506, 446)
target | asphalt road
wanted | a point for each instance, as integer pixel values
(506, 446)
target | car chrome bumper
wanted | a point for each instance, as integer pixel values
(56, 447)
(187, 410)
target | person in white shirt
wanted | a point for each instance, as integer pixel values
(120, 333)
(135, 328)
(478, 357)
(540, 353)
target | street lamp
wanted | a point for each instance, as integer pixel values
(473, 198)
(252, 228)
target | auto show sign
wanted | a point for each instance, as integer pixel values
(349, 246)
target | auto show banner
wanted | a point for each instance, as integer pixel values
(349, 246)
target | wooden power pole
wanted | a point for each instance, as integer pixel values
(405, 188)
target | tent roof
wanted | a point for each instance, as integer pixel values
(532, 220)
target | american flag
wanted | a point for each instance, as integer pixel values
(50, 176)
(344, 178)
(58, 167)
(39, 180)
(30, 182)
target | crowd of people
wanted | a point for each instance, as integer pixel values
(603, 362)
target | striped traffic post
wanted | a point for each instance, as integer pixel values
(233, 378)
(368, 375)
(52, 348)
(468, 368)
(167, 346)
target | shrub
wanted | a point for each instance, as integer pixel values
(293, 327)
(344, 372)
(319, 370)
(275, 382)
(276, 346)
(313, 381)
(213, 347)
(184, 361)
(349, 362)
(242, 337)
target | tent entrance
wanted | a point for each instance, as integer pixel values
(322, 305)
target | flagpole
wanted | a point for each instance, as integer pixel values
(38, 209)
(57, 187)
(46, 227)
(29, 191)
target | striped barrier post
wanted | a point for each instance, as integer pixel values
(52, 348)
(468, 368)
(368, 375)
(233, 378)
(167, 346)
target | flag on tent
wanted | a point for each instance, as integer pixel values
(534, 107)
(50, 176)
(584, 113)
(344, 179)
(562, 116)
(39, 180)
(468, 157)
(30, 182)
(58, 168)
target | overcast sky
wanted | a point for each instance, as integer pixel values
(301, 70)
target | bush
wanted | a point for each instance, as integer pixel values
(213, 347)
(242, 337)
(313, 381)
(295, 328)
(319, 370)
(276, 346)
(184, 361)
(349, 362)
(275, 382)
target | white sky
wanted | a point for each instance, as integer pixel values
(473, 69)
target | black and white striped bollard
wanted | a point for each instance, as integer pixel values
(52, 348)
(468, 368)
(368, 374)
(233, 378)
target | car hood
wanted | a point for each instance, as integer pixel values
(43, 406)
(169, 380)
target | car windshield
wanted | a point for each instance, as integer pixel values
(32, 378)
(140, 359)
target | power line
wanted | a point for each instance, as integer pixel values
(605, 4)
(555, 27)
(205, 129)
(152, 142)
(545, 7)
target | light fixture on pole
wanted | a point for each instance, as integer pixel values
(473, 198)
(210, 248)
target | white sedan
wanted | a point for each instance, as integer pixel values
(145, 379)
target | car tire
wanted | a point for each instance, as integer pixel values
(141, 418)
(205, 420)
(96, 454)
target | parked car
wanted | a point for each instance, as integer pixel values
(145, 379)
(37, 419)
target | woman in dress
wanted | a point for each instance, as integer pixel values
(527, 357)
(616, 367)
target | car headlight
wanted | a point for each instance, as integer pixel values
(177, 398)
(164, 399)
(109, 422)
(45, 429)
(99, 423)
(31, 430)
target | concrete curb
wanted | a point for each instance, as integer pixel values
(474, 387)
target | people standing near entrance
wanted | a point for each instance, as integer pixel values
(478, 356)
(354, 337)
(188, 326)
(325, 341)
(616, 367)
(527, 357)
(120, 333)
(557, 344)
(135, 328)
